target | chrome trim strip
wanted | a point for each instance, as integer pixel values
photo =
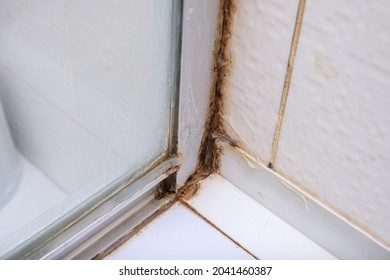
(175, 58)
(103, 218)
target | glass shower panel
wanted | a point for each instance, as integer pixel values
(86, 87)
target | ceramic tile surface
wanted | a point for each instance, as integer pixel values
(250, 224)
(179, 234)
(260, 46)
(336, 133)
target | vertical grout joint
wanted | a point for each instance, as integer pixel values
(287, 80)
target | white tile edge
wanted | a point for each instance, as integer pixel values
(251, 225)
(300, 209)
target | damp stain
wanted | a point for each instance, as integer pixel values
(210, 152)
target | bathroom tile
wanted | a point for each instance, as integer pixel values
(335, 138)
(250, 224)
(179, 234)
(260, 47)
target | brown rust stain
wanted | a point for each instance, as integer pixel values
(161, 191)
(191, 186)
(210, 152)
(221, 68)
(166, 187)
(225, 138)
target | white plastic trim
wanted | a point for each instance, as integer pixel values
(299, 209)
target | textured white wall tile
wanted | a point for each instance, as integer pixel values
(262, 33)
(336, 133)
(86, 87)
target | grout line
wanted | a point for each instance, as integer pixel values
(287, 79)
(186, 204)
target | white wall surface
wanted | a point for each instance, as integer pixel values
(86, 85)
(260, 47)
(335, 142)
(335, 137)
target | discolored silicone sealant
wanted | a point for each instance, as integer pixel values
(210, 152)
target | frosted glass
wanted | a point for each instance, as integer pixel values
(9, 162)
(87, 87)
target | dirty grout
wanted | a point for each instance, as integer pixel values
(193, 210)
(287, 80)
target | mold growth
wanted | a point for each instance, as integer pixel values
(166, 187)
(209, 153)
